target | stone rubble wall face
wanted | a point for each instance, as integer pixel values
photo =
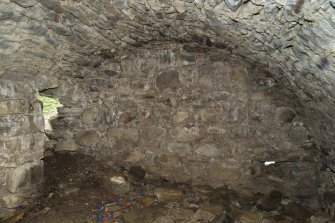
(21, 142)
(292, 39)
(204, 118)
(45, 41)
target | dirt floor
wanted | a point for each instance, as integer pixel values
(78, 188)
(72, 188)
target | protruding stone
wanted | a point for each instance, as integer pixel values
(225, 217)
(37, 172)
(205, 81)
(66, 146)
(182, 149)
(52, 5)
(320, 219)
(185, 134)
(128, 135)
(146, 215)
(284, 115)
(234, 4)
(270, 202)
(29, 173)
(18, 178)
(179, 5)
(168, 79)
(180, 117)
(296, 211)
(133, 156)
(298, 135)
(126, 118)
(169, 194)
(116, 183)
(238, 77)
(207, 150)
(10, 201)
(250, 217)
(87, 137)
(25, 3)
(220, 171)
(202, 215)
(89, 117)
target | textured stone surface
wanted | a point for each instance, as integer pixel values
(219, 125)
(21, 142)
(66, 146)
(146, 75)
(10, 201)
(29, 173)
(87, 138)
(207, 150)
(296, 211)
(169, 194)
(116, 183)
(251, 217)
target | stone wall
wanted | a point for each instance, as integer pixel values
(292, 39)
(74, 41)
(189, 116)
(21, 142)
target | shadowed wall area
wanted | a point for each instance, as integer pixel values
(197, 91)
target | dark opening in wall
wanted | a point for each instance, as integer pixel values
(49, 106)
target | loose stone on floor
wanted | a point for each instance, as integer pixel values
(91, 192)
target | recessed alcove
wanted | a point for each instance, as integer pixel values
(49, 108)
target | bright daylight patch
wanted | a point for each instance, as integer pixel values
(267, 163)
(50, 106)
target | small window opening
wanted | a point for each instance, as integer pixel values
(49, 107)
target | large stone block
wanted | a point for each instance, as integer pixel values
(20, 124)
(127, 135)
(298, 135)
(168, 79)
(36, 123)
(66, 146)
(8, 107)
(37, 172)
(17, 178)
(11, 125)
(238, 77)
(10, 201)
(284, 115)
(169, 162)
(116, 183)
(180, 116)
(87, 137)
(32, 142)
(29, 173)
(8, 151)
(220, 171)
(52, 5)
(250, 217)
(208, 150)
(169, 194)
(180, 149)
(13, 89)
(25, 3)
(89, 117)
(184, 134)
(21, 149)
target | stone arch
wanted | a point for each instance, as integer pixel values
(83, 43)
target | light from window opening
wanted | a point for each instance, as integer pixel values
(50, 106)
(267, 163)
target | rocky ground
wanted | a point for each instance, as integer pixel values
(79, 189)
